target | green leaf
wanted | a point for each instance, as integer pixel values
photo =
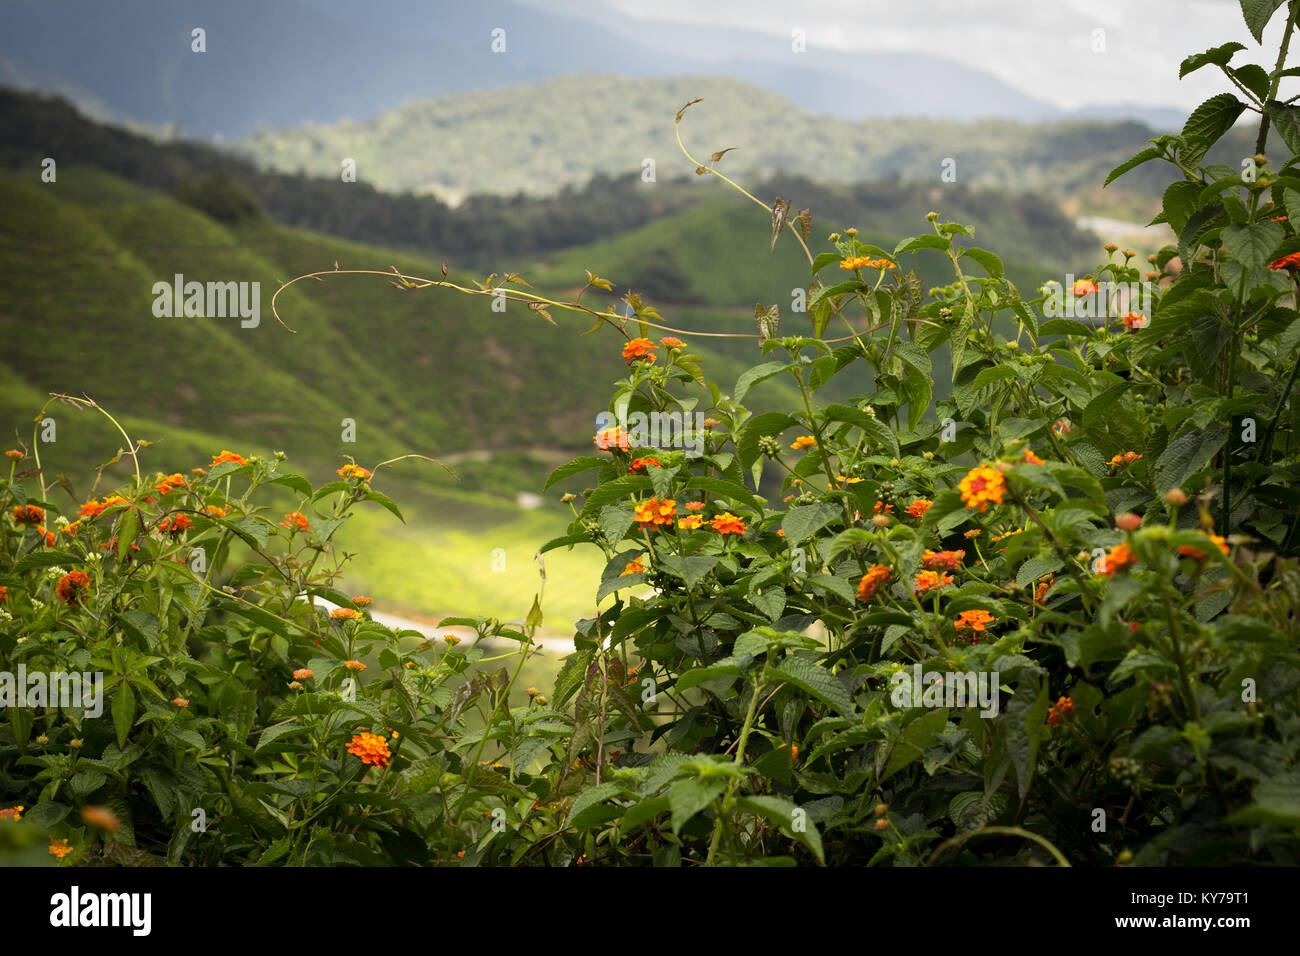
(590, 797)
(1187, 454)
(1286, 120)
(992, 375)
(921, 242)
(987, 260)
(297, 482)
(612, 491)
(1213, 118)
(781, 812)
(575, 467)
(44, 559)
(769, 423)
(876, 430)
(1219, 56)
(1257, 13)
(813, 679)
(689, 797)
(691, 569)
(727, 667)
(123, 713)
(1274, 803)
(383, 499)
(802, 521)
(127, 529)
(823, 260)
(916, 738)
(751, 377)
(1141, 157)
(1253, 243)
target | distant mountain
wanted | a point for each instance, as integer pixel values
(296, 61)
(539, 137)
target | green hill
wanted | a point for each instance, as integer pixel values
(538, 138)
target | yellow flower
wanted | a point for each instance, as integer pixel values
(981, 487)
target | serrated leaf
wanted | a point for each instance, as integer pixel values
(815, 680)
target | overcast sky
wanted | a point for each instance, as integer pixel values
(1042, 47)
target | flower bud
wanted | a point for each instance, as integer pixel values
(881, 808)
(1176, 497)
(881, 824)
(1128, 521)
(880, 521)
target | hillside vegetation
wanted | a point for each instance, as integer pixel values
(506, 141)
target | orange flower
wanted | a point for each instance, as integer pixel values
(633, 567)
(59, 848)
(16, 455)
(876, 575)
(974, 622)
(344, 614)
(1063, 708)
(881, 508)
(919, 507)
(1084, 287)
(451, 639)
(671, 342)
(91, 509)
(1187, 551)
(296, 521)
(1044, 585)
(228, 456)
(803, 441)
(302, 673)
(1125, 459)
(175, 524)
(637, 350)
(371, 748)
(981, 487)
(28, 515)
(1134, 321)
(1062, 426)
(112, 500)
(216, 511)
(1119, 557)
(608, 438)
(972, 533)
(71, 529)
(4, 594)
(690, 522)
(180, 702)
(354, 471)
(1030, 458)
(363, 600)
(72, 587)
(47, 535)
(927, 581)
(653, 512)
(727, 523)
(942, 560)
(641, 464)
(695, 506)
(12, 813)
(169, 483)
(1287, 262)
(354, 665)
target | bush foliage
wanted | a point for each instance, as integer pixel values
(1101, 517)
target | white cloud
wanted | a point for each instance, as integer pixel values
(1041, 47)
